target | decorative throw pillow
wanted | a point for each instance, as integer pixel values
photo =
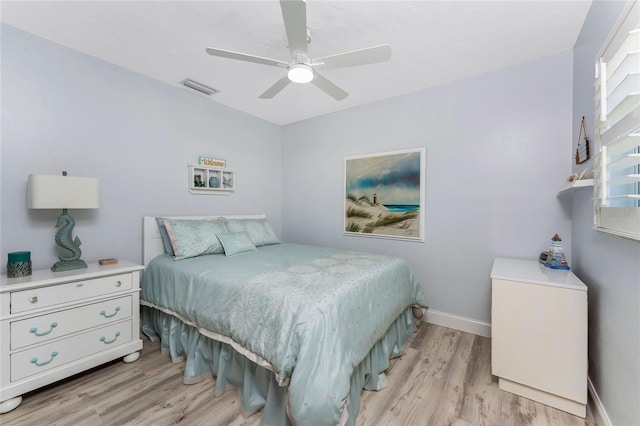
(195, 237)
(236, 243)
(166, 241)
(259, 230)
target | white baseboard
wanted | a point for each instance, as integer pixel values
(468, 325)
(599, 413)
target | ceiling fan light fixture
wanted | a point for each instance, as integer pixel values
(300, 73)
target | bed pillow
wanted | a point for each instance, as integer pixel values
(259, 230)
(236, 242)
(195, 237)
(166, 241)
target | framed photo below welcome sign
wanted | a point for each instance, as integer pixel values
(211, 176)
(385, 195)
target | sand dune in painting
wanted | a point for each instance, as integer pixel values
(363, 216)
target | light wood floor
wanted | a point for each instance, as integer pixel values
(443, 379)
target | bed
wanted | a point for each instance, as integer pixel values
(298, 330)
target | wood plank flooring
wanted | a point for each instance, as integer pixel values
(443, 379)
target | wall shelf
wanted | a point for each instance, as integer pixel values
(582, 183)
(211, 180)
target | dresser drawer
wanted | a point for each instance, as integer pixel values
(54, 354)
(36, 298)
(51, 326)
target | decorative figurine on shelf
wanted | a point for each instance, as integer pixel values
(227, 180)
(214, 181)
(555, 256)
(575, 176)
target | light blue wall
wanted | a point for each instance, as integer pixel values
(498, 150)
(499, 146)
(609, 265)
(63, 110)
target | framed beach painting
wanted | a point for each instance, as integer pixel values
(384, 195)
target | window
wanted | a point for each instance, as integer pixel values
(617, 102)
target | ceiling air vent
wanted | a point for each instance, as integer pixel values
(202, 88)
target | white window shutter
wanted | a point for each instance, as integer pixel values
(617, 104)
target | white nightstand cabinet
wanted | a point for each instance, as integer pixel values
(56, 324)
(539, 333)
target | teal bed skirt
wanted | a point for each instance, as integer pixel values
(257, 386)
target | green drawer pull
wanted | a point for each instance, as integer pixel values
(34, 330)
(35, 360)
(80, 285)
(108, 342)
(104, 314)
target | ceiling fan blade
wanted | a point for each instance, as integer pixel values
(370, 55)
(244, 57)
(294, 14)
(276, 88)
(328, 87)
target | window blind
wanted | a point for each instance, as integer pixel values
(617, 102)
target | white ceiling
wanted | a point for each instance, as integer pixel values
(432, 42)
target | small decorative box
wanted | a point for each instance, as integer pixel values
(19, 264)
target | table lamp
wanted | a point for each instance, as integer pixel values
(64, 192)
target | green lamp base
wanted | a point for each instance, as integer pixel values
(68, 265)
(70, 256)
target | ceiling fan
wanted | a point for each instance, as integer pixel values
(303, 69)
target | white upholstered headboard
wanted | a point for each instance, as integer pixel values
(152, 241)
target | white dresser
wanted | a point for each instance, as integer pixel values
(56, 324)
(539, 333)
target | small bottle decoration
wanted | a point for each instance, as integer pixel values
(555, 255)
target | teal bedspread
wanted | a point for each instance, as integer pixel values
(311, 315)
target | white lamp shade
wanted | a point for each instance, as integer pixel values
(62, 192)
